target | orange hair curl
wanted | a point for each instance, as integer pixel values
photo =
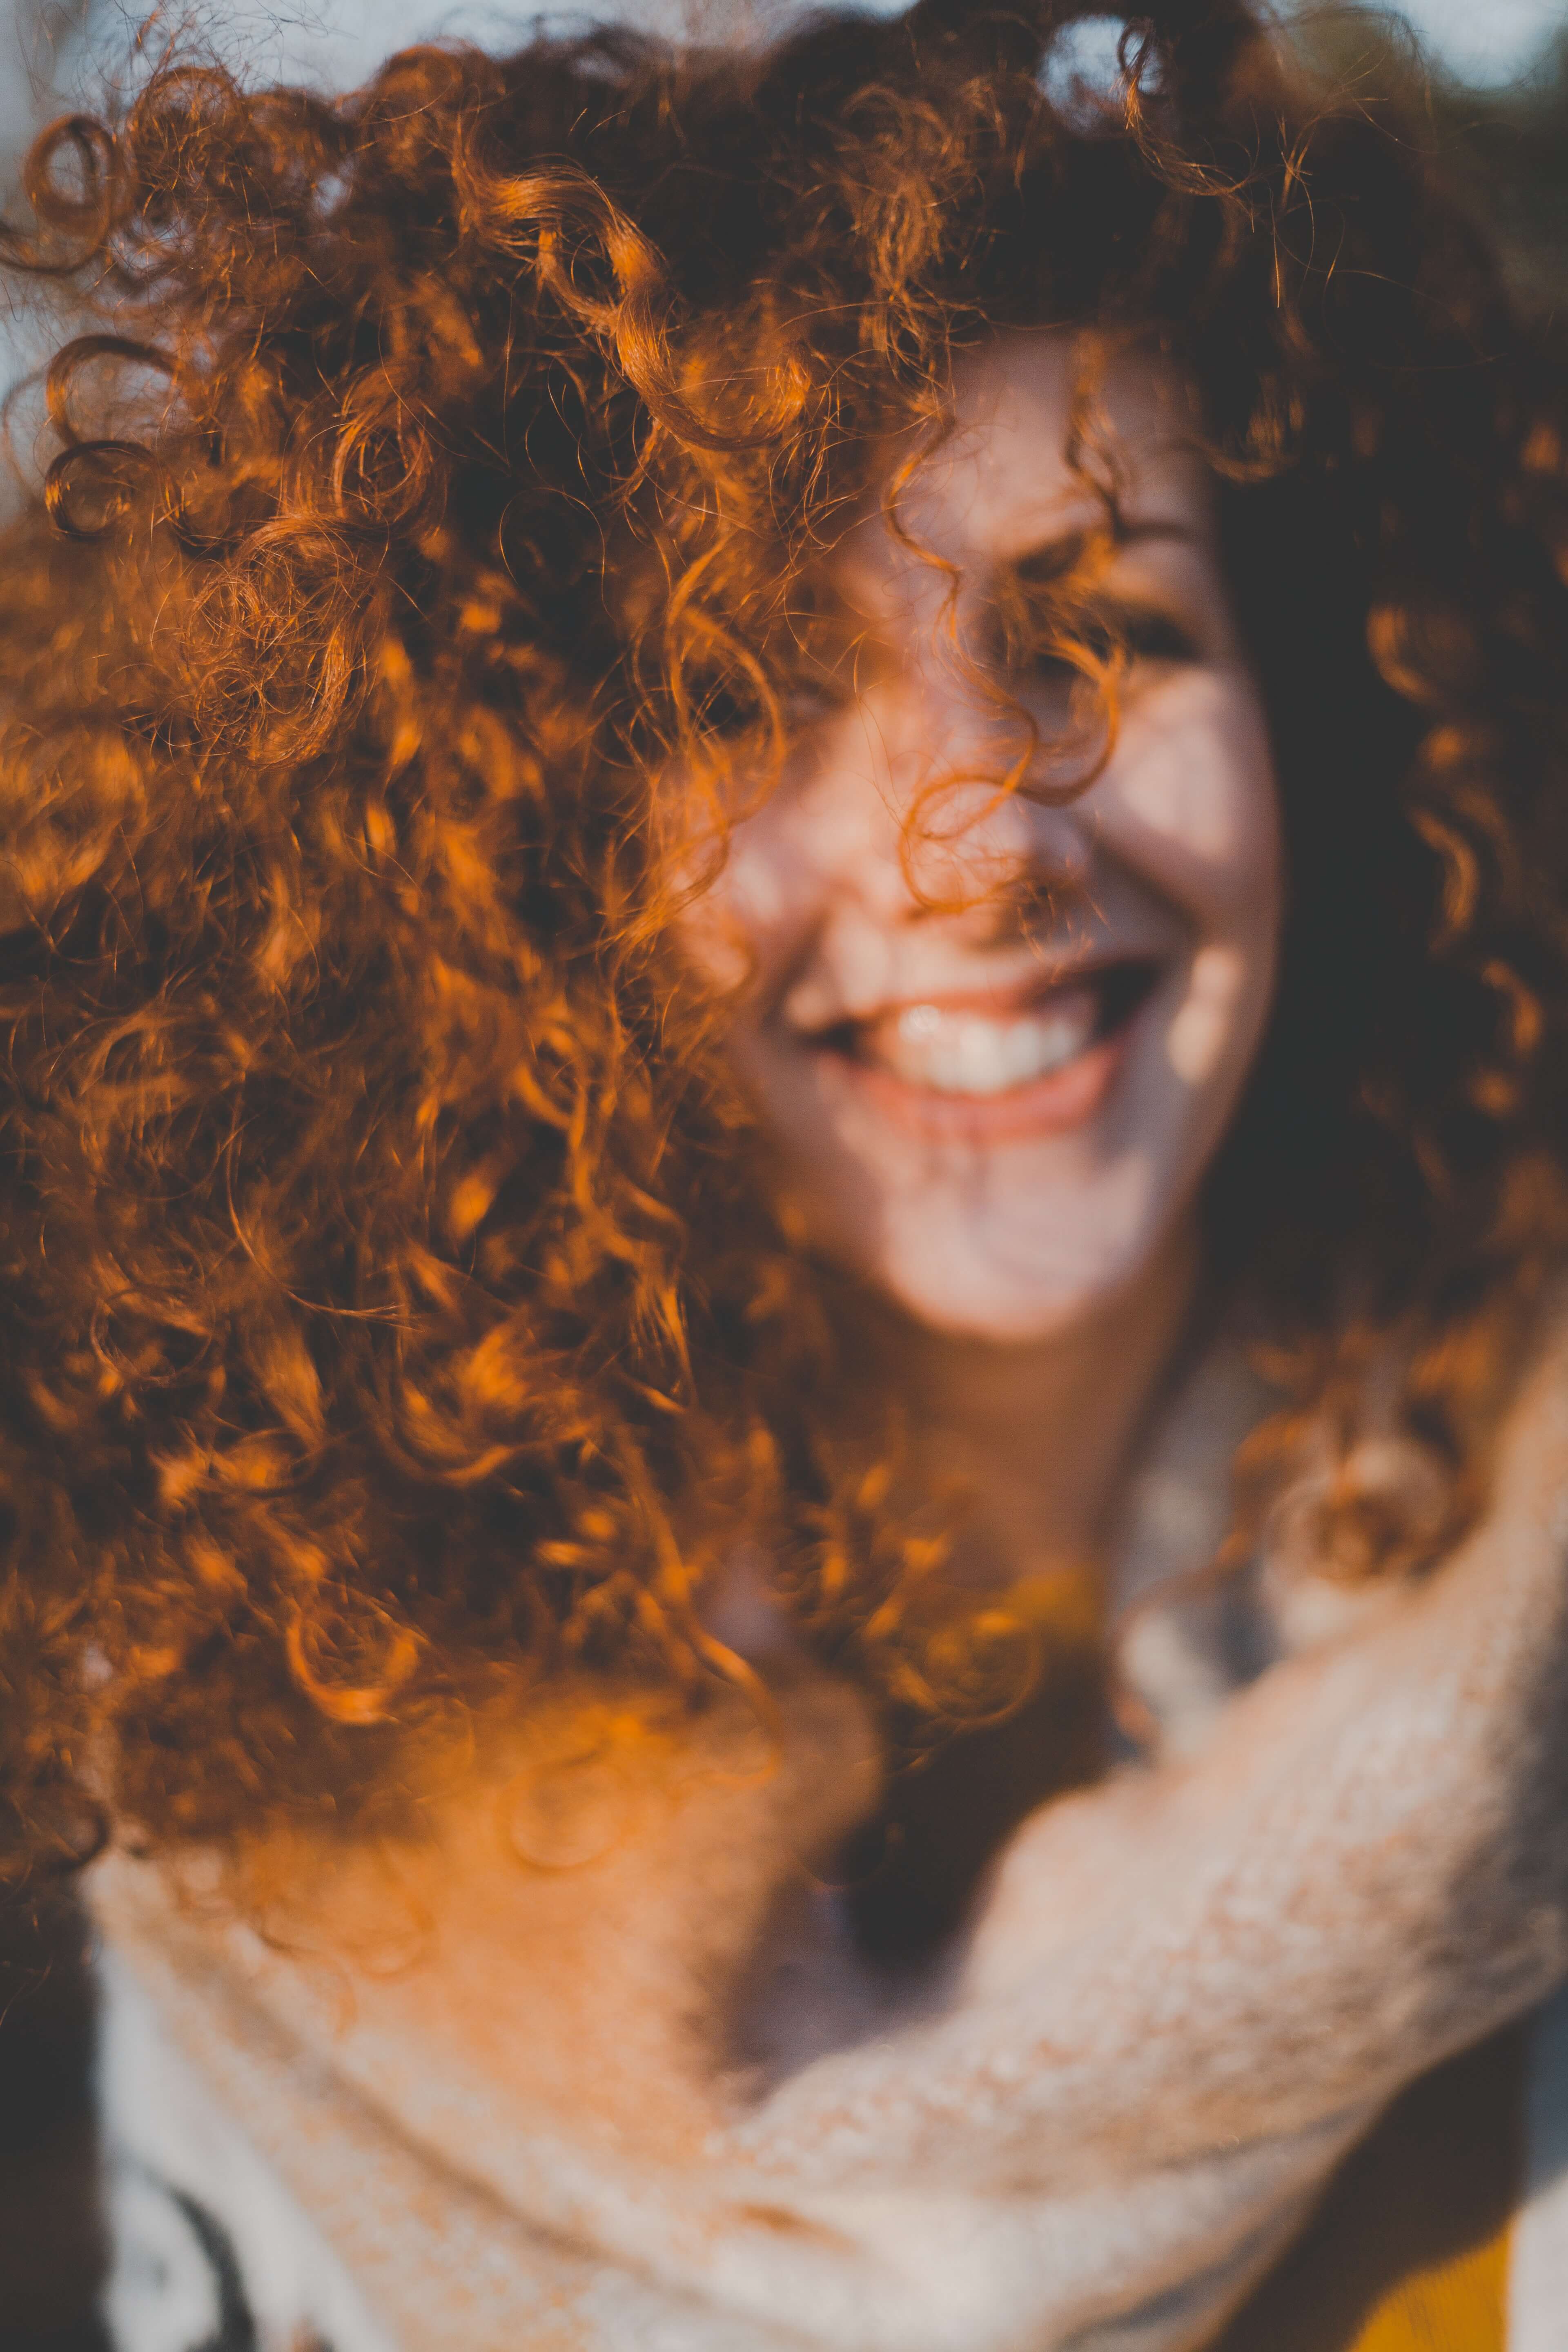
(391, 1292)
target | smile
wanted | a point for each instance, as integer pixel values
(972, 1067)
(961, 1052)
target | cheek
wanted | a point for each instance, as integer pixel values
(1221, 1015)
(741, 924)
(767, 893)
(1191, 806)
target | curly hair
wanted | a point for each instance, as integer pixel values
(393, 1297)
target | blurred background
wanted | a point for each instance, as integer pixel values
(1492, 81)
(1488, 79)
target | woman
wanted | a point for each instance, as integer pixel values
(783, 833)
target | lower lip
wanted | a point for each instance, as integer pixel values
(1057, 1103)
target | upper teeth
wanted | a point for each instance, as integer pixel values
(967, 1052)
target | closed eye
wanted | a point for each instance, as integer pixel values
(731, 710)
(1106, 636)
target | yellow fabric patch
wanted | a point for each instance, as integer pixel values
(1456, 2306)
(1408, 2250)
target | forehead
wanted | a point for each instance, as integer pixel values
(1044, 427)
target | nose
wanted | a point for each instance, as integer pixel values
(921, 802)
(909, 813)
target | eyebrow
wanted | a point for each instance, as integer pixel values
(1053, 559)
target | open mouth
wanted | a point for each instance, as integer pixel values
(980, 1070)
(977, 1052)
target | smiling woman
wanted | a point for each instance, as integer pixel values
(783, 975)
(1000, 1112)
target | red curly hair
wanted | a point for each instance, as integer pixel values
(392, 1297)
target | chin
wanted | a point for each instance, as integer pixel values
(965, 1294)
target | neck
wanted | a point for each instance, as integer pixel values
(1037, 1434)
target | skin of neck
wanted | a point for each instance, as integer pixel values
(1036, 1435)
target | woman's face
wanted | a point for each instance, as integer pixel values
(997, 1042)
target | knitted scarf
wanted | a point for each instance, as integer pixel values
(623, 2083)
